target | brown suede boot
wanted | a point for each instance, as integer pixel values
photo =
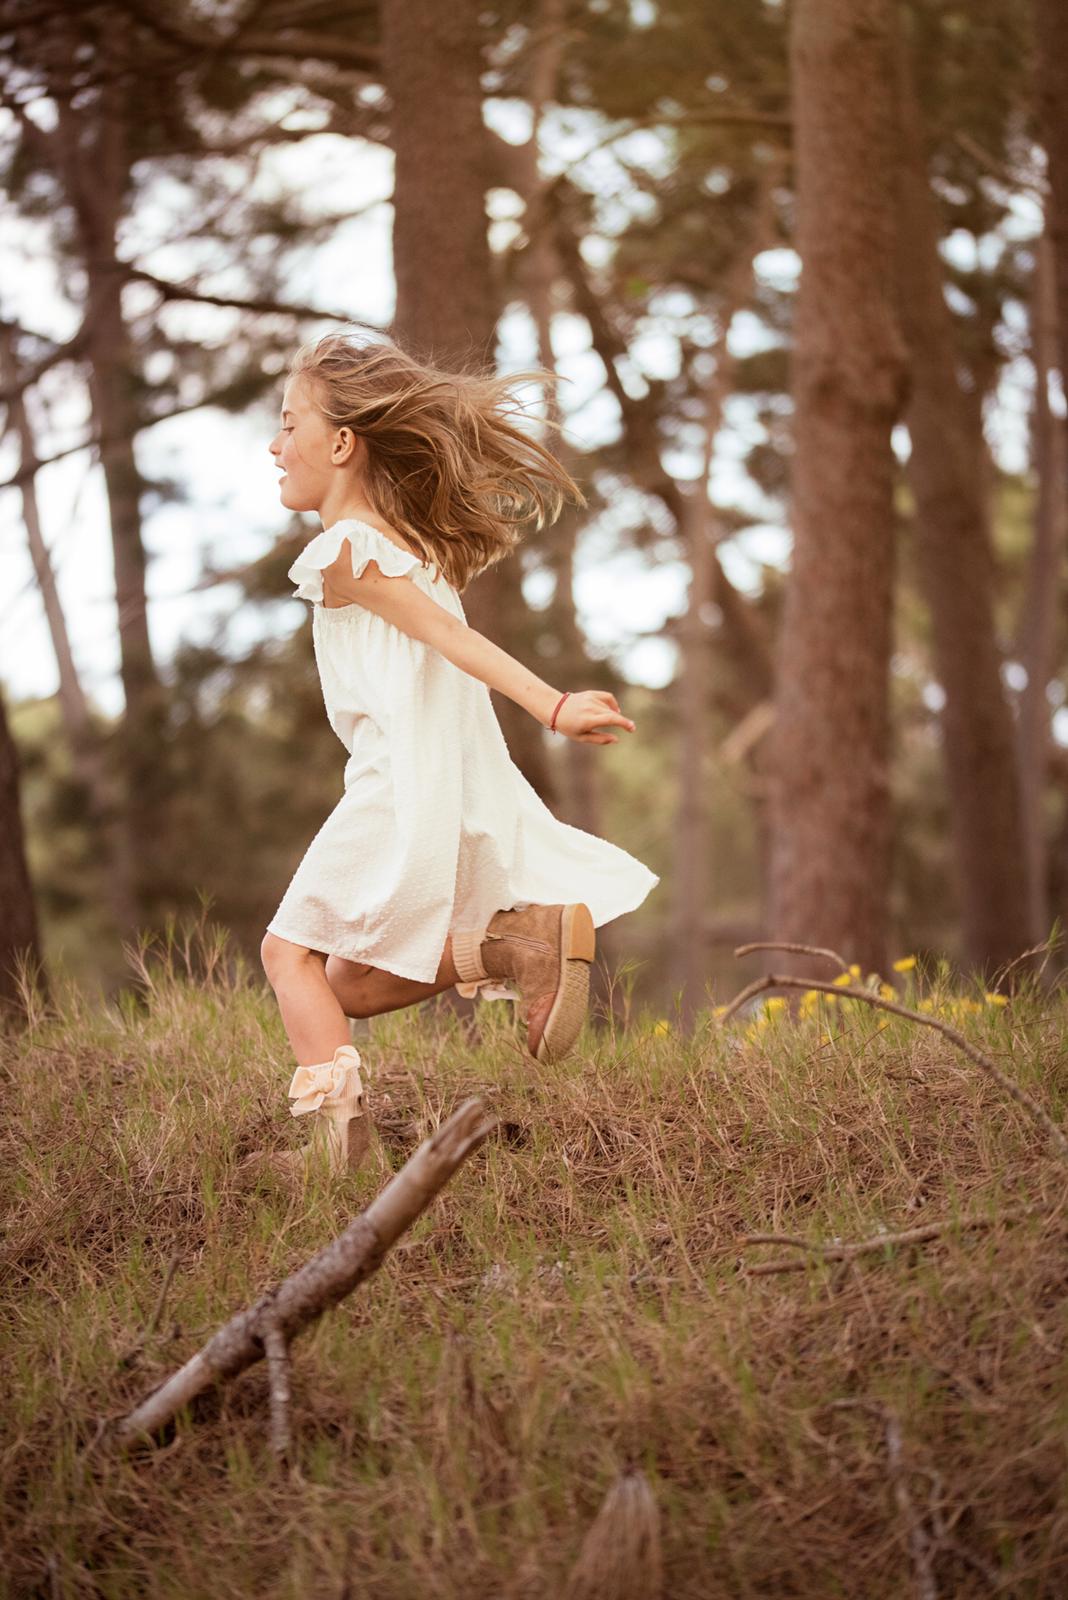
(547, 951)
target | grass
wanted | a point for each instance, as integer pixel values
(574, 1303)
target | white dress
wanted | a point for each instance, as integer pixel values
(437, 828)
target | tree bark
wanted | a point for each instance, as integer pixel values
(19, 940)
(830, 795)
(446, 300)
(956, 569)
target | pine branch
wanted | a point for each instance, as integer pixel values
(185, 291)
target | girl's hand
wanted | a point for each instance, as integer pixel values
(587, 713)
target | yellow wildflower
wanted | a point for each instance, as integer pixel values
(996, 999)
(662, 1025)
(854, 971)
(843, 978)
(906, 964)
(774, 1005)
(887, 991)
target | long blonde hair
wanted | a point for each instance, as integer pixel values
(447, 466)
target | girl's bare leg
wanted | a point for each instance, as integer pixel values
(364, 991)
(315, 1007)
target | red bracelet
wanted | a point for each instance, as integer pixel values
(552, 725)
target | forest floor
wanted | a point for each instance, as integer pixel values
(579, 1302)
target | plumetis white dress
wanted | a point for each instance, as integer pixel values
(437, 828)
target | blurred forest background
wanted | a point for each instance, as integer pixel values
(818, 256)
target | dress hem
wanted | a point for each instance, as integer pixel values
(347, 955)
(380, 965)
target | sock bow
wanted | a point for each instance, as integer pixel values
(330, 1083)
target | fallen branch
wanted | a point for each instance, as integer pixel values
(847, 1252)
(269, 1326)
(793, 949)
(277, 1352)
(848, 992)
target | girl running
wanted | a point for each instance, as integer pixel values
(440, 865)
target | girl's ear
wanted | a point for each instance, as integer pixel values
(345, 448)
(342, 447)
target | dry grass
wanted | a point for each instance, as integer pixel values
(575, 1305)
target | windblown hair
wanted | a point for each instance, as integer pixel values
(447, 464)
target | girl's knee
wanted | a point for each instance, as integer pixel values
(279, 955)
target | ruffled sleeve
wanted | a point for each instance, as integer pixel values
(366, 543)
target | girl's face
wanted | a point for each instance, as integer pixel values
(313, 455)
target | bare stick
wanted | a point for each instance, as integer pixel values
(848, 992)
(277, 1352)
(324, 1280)
(918, 1538)
(793, 949)
(847, 1252)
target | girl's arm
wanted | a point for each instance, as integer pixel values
(399, 601)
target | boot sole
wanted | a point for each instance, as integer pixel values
(578, 945)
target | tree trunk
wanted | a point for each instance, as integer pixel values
(19, 940)
(701, 536)
(87, 759)
(830, 791)
(956, 570)
(431, 56)
(96, 176)
(1051, 54)
(446, 302)
(690, 875)
(1051, 28)
(1038, 632)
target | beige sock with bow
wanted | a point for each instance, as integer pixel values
(333, 1091)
